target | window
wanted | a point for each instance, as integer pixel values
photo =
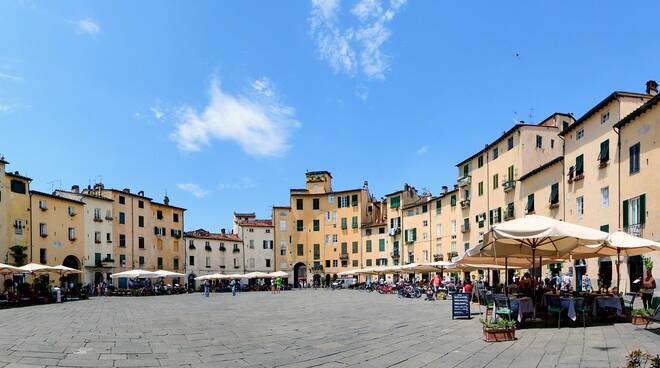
(438, 230)
(71, 211)
(425, 208)
(334, 263)
(634, 158)
(367, 246)
(354, 200)
(316, 225)
(299, 225)
(605, 117)
(496, 151)
(18, 227)
(579, 165)
(480, 191)
(438, 207)
(496, 181)
(530, 203)
(453, 227)
(634, 211)
(159, 214)
(122, 200)
(425, 223)
(42, 256)
(141, 204)
(122, 218)
(191, 260)
(160, 263)
(122, 240)
(381, 245)
(97, 237)
(554, 194)
(282, 225)
(466, 246)
(42, 205)
(315, 203)
(344, 248)
(381, 230)
(331, 199)
(480, 161)
(108, 238)
(579, 135)
(141, 242)
(141, 261)
(72, 233)
(354, 246)
(452, 200)
(299, 203)
(605, 197)
(18, 186)
(395, 202)
(539, 141)
(369, 263)
(410, 235)
(344, 223)
(267, 262)
(43, 230)
(509, 143)
(580, 205)
(509, 173)
(300, 251)
(343, 202)
(604, 154)
(605, 228)
(354, 222)
(282, 248)
(141, 221)
(552, 143)
(122, 260)
(175, 217)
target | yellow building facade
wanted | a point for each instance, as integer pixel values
(58, 231)
(16, 228)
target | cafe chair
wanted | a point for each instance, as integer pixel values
(555, 307)
(581, 308)
(502, 307)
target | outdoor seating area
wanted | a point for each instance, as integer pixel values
(42, 289)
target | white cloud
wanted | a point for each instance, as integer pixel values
(158, 112)
(340, 46)
(6, 108)
(264, 86)
(258, 123)
(423, 150)
(195, 189)
(243, 184)
(87, 26)
(11, 77)
(362, 92)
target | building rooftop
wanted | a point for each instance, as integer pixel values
(204, 234)
(256, 223)
(15, 174)
(34, 192)
(322, 172)
(639, 111)
(541, 168)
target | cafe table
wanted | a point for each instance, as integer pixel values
(602, 302)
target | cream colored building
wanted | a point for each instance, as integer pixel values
(99, 257)
(393, 205)
(418, 230)
(258, 241)
(376, 245)
(58, 231)
(209, 253)
(15, 224)
(323, 229)
(591, 178)
(640, 198)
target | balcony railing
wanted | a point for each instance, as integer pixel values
(438, 257)
(343, 256)
(394, 254)
(635, 229)
(98, 219)
(317, 267)
(509, 185)
(464, 180)
(222, 248)
(236, 250)
(465, 229)
(465, 203)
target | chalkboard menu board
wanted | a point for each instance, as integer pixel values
(460, 305)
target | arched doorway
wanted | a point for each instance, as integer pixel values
(299, 274)
(98, 277)
(317, 280)
(328, 281)
(635, 271)
(192, 282)
(72, 262)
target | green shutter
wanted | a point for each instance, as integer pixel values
(381, 245)
(554, 193)
(642, 209)
(579, 165)
(490, 217)
(510, 178)
(499, 214)
(625, 213)
(414, 234)
(605, 228)
(604, 154)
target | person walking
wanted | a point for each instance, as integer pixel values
(647, 290)
(278, 284)
(436, 284)
(233, 287)
(206, 288)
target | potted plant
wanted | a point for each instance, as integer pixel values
(639, 315)
(500, 330)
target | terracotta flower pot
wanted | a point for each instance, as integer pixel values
(499, 335)
(638, 320)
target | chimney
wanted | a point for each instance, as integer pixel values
(455, 186)
(652, 88)
(365, 185)
(166, 200)
(126, 190)
(223, 231)
(75, 189)
(141, 193)
(444, 189)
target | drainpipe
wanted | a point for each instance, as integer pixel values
(618, 173)
(563, 175)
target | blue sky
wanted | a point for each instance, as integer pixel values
(224, 105)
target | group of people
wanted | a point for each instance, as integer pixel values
(275, 286)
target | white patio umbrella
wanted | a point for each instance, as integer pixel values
(235, 276)
(6, 269)
(348, 273)
(165, 273)
(34, 268)
(257, 275)
(437, 266)
(134, 274)
(64, 270)
(617, 244)
(278, 274)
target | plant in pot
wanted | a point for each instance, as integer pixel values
(639, 315)
(500, 330)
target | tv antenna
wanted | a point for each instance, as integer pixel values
(52, 184)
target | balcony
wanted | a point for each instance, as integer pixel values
(464, 180)
(509, 185)
(452, 255)
(438, 257)
(464, 228)
(578, 177)
(222, 248)
(317, 267)
(208, 248)
(192, 246)
(236, 250)
(635, 230)
(395, 254)
(554, 205)
(107, 262)
(343, 256)
(394, 231)
(465, 203)
(508, 215)
(237, 266)
(603, 164)
(98, 219)
(109, 218)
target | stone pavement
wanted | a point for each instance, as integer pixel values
(321, 328)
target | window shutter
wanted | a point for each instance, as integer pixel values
(490, 216)
(499, 214)
(625, 213)
(414, 234)
(579, 165)
(642, 209)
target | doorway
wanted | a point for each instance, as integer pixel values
(299, 274)
(635, 271)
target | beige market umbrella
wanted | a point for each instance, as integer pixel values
(34, 268)
(64, 270)
(165, 273)
(437, 266)
(348, 273)
(257, 275)
(132, 274)
(235, 276)
(278, 274)
(617, 244)
(6, 269)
